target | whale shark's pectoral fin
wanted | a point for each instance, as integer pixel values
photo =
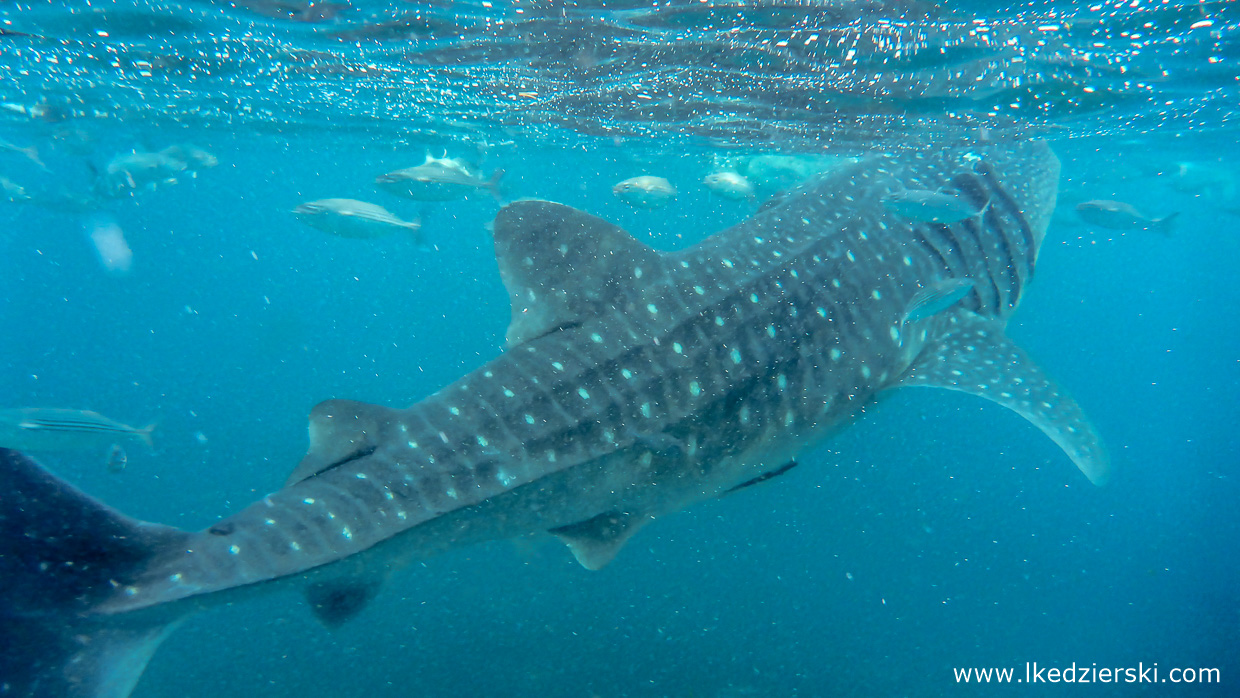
(978, 358)
(562, 266)
(594, 542)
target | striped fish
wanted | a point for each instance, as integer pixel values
(53, 429)
(350, 218)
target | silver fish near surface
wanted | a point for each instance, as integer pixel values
(729, 185)
(351, 218)
(635, 383)
(645, 191)
(1119, 215)
(438, 179)
(932, 206)
(55, 429)
(141, 170)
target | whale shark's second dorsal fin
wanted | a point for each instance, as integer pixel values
(561, 265)
(978, 358)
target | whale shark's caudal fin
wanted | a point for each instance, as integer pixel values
(978, 358)
(61, 553)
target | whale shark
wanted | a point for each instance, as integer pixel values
(634, 383)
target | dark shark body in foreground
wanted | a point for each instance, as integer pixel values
(636, 383)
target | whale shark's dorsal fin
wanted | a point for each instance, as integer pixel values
(978, 358)
(340, 431)
(559, 264)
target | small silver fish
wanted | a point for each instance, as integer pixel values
(931, 206)
(351, 218)
(130, 172)
(729, 185)
(438, 179)
(645, 191)
(52, 429)
(936, 298)
(1117, 215)
(117, 459)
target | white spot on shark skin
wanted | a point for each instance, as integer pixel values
(585, 395)
(504, 478)
(509, 393)
(234, 550)
(175, 578)
(360, 476)
(389, 496)
(877, 296)
(908, 261)
(753, 298)
(550, 456)
(835, 283)
(849, 255)
(822, 312)
(770, 331)
(646, 409)
(401, 515)
(654, 310)
(346, 533)
(836, 354)
(596, 338)
(609, 436)
(308, 500)
(676, 347)
(736, 356)
(331, 515)
(865, 372)
(744, 415)
(684, 265)
(789, 418)
(270, 522)
(759, 240)
(794, 274)
(456, 411)
(411, 444)
(129, 591)
(728, 263)
(557, 365)
(529, 419)
(404, 428)
(482, 441)
(294, 545)
(646, 458)
(628, 375)
(895, 333)
(695, 388)
(452, 493)
(637, 272)
(489, 374)
(699, 290)
(443, 437)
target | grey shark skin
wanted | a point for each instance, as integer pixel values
(635, 383)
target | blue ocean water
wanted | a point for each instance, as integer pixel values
(938, 531)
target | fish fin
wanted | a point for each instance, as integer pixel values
(334, 602)
(1166, 224)
(595, 542)
(340, 431)
(978, 358)
(147, 435)
(764, 477)
(62, 553)
(561, 265)
(493, 185)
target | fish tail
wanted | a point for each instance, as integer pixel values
(62, 553)
(493, 184)
(147, 434)
(1166, 224)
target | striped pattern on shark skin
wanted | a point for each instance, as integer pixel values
(637, 383)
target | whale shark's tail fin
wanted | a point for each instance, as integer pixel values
(61, 554)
